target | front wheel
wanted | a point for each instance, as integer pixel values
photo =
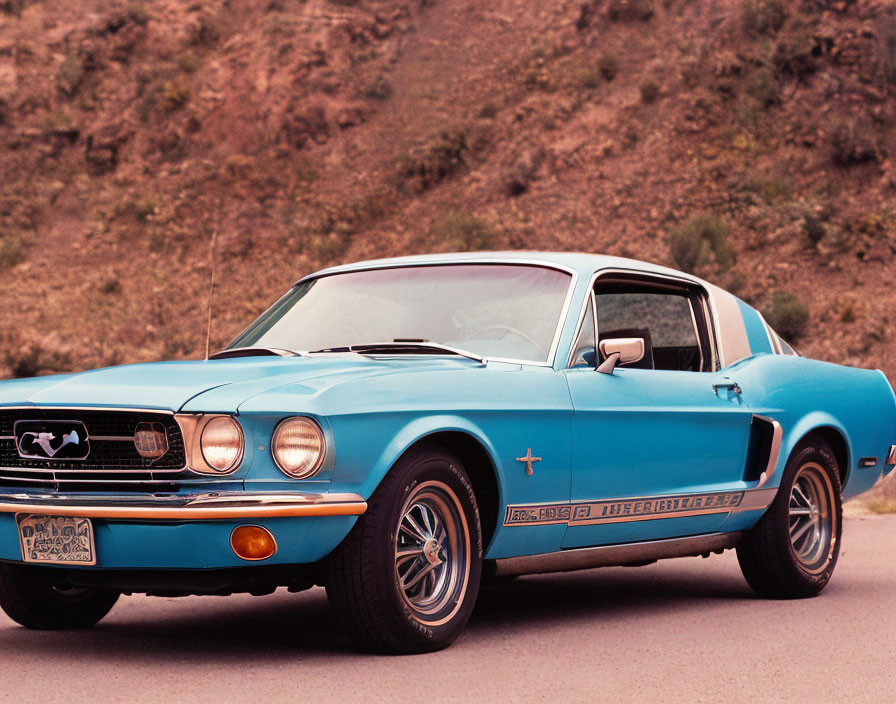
(405, 579)
(792, 551)
(41, 605)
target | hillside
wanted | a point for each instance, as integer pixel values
(750, 141)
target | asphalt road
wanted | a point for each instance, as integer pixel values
(680, 630)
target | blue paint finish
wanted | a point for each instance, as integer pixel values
(634, 433)
(644, 432)
(756, 332)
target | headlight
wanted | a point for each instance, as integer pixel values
(298, 447)
(222, 443)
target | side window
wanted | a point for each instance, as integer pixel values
(584, 352)
(665, 318)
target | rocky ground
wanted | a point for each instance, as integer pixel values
(750, 141)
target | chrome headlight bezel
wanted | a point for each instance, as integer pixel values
(311, 468)
(192, 427)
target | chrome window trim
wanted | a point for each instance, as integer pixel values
(696, 331)
(711, 329)
(575, 339)
(539, 263)
(771, 334)
(715, 314)
(705, 296)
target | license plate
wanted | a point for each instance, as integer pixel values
(56, 540)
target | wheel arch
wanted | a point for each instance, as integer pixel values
(833, 433)
(473, 449)
(480, 469)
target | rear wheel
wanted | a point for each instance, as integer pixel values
(793, 550)
(405, 579)
(35, 603)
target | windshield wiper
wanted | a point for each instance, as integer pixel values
(403, 347)
(254, 352)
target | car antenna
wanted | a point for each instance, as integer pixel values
(211, 291)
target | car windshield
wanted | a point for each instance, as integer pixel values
(506, 311)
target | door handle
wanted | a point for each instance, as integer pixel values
(732, 386)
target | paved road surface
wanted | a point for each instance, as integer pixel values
(681, 630)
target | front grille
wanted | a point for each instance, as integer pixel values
(113, 461)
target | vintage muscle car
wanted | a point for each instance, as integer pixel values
(400, 430)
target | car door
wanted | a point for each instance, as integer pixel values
(659, 446)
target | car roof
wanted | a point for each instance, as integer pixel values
(582, 263)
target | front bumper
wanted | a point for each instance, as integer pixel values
(191, 507)
(151, 532)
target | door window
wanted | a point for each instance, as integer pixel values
(665, 319)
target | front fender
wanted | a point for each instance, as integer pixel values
(355, 469)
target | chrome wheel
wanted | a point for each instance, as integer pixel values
(432, 553)
(813, 524)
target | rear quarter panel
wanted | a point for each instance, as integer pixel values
(805, 394)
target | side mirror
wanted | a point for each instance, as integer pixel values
(620, 350)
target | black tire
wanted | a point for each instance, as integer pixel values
(36, 603)
(365, 573)
(781, 557)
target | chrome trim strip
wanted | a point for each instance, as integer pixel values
(578, 331)
(186, 508)
(696, 331)
(113, 438)
(891, 455)
(615, 555)
(642, 508)
(776, 346)
(774, 452)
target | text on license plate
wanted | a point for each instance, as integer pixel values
(56, 540)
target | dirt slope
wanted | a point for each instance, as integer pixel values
(751, 141)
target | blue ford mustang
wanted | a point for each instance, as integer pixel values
(400, 430)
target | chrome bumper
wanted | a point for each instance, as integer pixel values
(196, 507)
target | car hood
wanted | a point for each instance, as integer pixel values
(210, 386)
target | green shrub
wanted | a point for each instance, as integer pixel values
(650, 91)
(188, 62)
(488, 111)
(461, 231)
(814, 228)
(70, 74)
(434, 158)
(608, 66)
(886, 49)
(175, 93)
(13, 250)
(854, 142)
(630, 10)
(787, 314)
(700, 243)
(763, 85)
(378, 89)
(32, 359)
(206, 29)
(763, 16)
(137, 13)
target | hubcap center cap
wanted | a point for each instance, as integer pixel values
(431, 550)
(813, 512)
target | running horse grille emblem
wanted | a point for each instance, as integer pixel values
(51, 439)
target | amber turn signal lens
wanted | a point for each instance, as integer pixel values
(253, 543)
